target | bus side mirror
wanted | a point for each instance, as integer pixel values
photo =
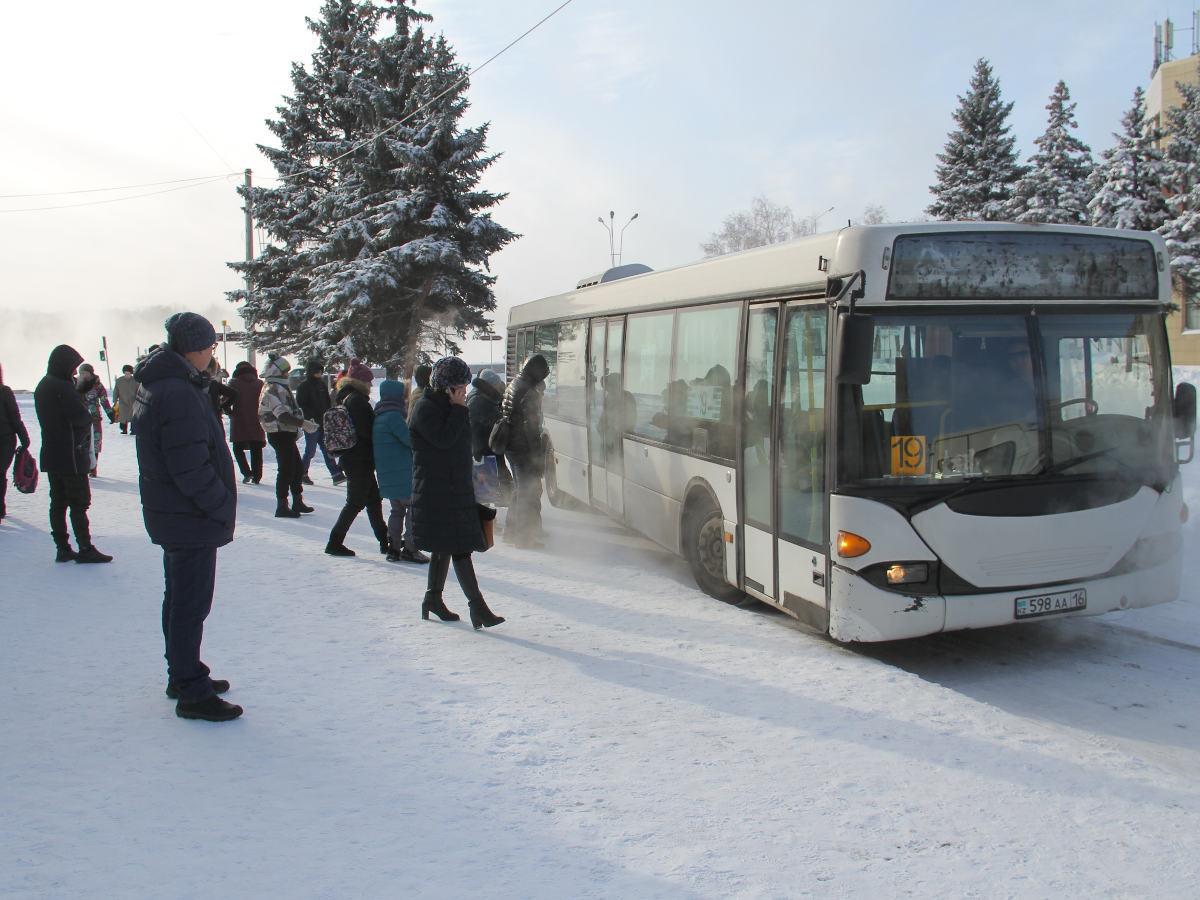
(1185, 422)
(855, 343)
(1185, 410)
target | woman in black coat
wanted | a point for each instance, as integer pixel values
(12, 431)
(446, 519)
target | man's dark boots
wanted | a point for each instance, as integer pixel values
(210, 709)
(90, 554)
(286, 512)
(65, 554)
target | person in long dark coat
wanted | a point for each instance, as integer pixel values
(522, 407)
(66, 455)
(12, 430)
(446, 519)
(358, 464)
(189, 502)
(245, 430)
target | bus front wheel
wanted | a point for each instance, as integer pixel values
(704, 543)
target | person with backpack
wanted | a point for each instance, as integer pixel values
(313, 397)
(446, 519)
(358, 463)
(282, 420)
(189, 503)
(66, 455)
(12, 431)
(245, 430)
(393, 464)
(522, 409)
(124, 391)
(483, 406)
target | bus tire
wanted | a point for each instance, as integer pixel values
(704, 545)
(557, 498)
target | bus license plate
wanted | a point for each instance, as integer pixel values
(1050, 604)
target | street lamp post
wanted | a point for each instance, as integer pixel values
(615, 248)
(491, 339)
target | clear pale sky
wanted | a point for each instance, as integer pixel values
(679, 110)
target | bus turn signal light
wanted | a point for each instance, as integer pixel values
(850, 545)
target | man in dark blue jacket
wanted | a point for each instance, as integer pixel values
(67, 455)
(189, 502)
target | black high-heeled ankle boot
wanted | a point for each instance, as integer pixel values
(436, 605)
(482, 617)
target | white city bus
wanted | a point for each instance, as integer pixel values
(886, 431)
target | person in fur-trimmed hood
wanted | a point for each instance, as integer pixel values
(353, 392)
(282, 420)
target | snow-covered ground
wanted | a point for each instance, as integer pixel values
(621, 735)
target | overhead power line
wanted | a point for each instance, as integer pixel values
(123, 187)
(428, 103)
(199, 180)
(183, 187)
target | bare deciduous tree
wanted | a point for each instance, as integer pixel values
(764, 223)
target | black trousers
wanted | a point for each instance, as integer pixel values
(362, 492)
(524, 521)
(287, 454)
(464, 571)
(8, 449)
(70, 493)
(253, 469)
(190, 575)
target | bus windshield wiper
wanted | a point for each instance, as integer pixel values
(1072, 461)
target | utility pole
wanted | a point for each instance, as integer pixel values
(249, 256)
(104, 353)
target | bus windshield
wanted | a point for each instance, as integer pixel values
(955, 397)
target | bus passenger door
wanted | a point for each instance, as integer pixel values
(606, 414)
(800, 491)
(758, 519)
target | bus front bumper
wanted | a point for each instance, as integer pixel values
(860, 611)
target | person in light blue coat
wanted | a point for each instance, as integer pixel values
(394, 468)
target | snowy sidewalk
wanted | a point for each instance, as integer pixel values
(621, 735)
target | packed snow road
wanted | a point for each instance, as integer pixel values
(621, 735)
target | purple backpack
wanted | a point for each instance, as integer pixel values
(25, 472)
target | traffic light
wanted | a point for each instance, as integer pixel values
(103, 357)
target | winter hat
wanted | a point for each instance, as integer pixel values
(188, 332)
(276, 367)
(492, 378)
(449, 372)
(314, 367)
(359, 372)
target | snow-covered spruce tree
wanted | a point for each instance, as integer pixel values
(399, 234)
(1128, 186)
(414, 232)
(978, 168)
(277, 309)
(1054, 189)
(1182, 229)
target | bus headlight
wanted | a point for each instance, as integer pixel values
(907, 573)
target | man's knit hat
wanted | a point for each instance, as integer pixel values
(493, 378)
(449, 372)
(188, 332)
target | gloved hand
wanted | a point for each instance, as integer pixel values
(309, 426)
